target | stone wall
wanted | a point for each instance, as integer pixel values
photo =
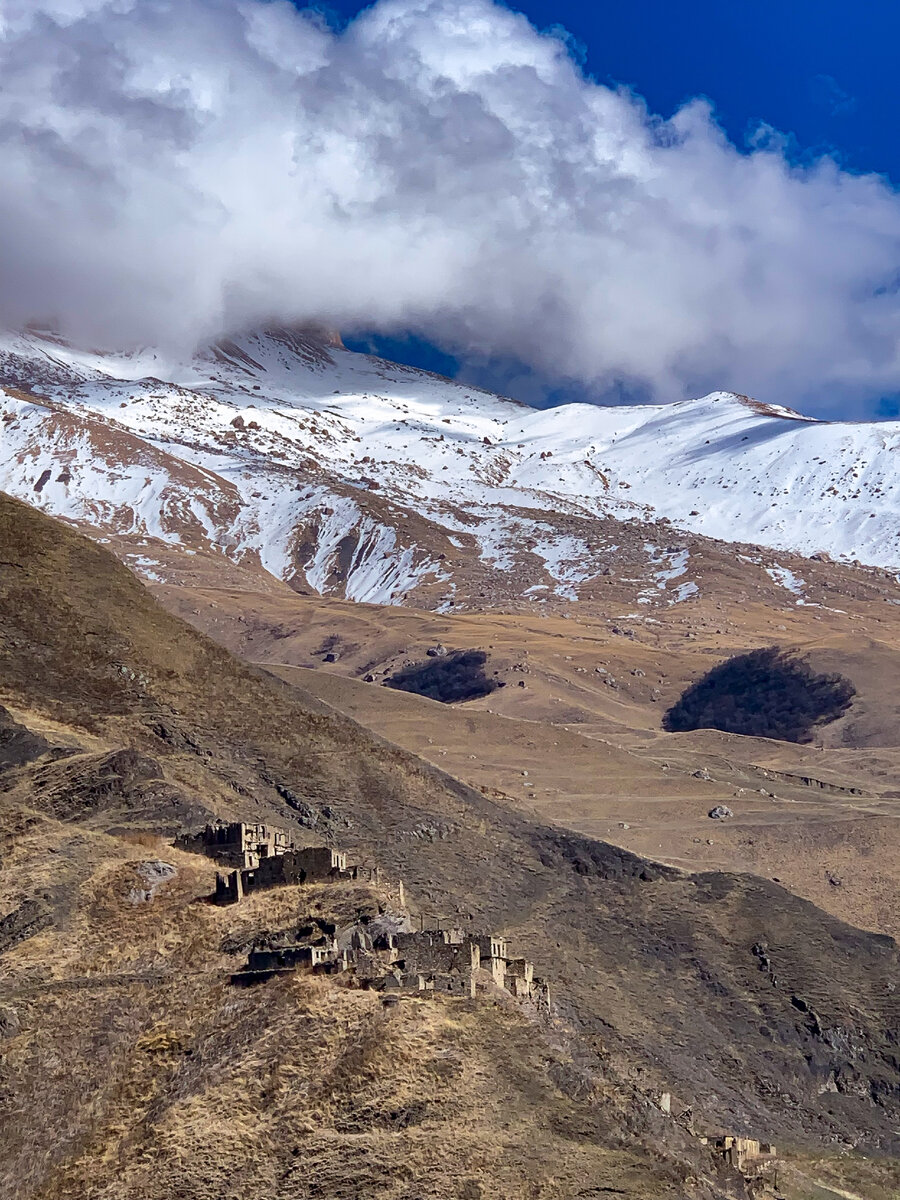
(320, 955)
(228, 888)
(313, 864)
(433, 953)
(747, 1155)
(449, 960)
(238, 844)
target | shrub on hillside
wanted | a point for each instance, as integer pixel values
(457, 676)
(766, 693)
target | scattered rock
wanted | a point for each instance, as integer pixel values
(620, 632)
(154, 875)
(720, 812)
(430, 831)
(306, 814)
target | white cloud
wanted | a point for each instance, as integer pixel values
(170, 170)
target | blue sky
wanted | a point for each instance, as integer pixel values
(468, 172)
(822, 72)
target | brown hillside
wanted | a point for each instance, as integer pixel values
(154, 1076)
(575, 736)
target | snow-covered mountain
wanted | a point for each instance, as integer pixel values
(349, 474)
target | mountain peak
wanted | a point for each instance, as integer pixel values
(338, 471)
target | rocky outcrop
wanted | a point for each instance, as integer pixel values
(18, 745)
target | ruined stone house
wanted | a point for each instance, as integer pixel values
(449, 961)
(445, 961)
(262, 856)
(492, 951)
(242, 845)
(746, 1155)
(312, 864)
(320, 955)
(519, 977)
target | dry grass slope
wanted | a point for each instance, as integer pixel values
(153, 1076)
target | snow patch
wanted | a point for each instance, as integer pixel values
(567, 560)
(685, 591)
(191, 453)
(788, 580)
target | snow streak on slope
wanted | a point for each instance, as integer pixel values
(346, 472)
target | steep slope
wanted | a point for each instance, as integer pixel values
(350, 475)
(756, 1010)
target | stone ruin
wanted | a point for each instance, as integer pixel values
(746, 1155)
(263, 857)
(386, 955)
(397, 961)
(315, 948)
(454, 961)
(312, 864)
(239, 844)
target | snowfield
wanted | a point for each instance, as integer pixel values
(343, 469)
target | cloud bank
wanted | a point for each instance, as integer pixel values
(171, 169)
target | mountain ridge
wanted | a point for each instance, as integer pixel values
(357, 477)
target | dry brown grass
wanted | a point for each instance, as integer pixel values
(179, 1084)
(145, 1063)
